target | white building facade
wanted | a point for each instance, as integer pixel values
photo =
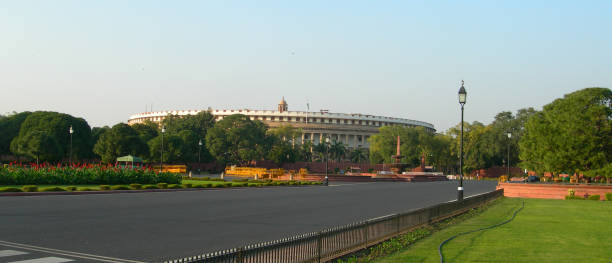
(353, 130)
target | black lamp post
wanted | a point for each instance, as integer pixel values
(508, 162)
(70, 157)
(161, 161)
(462, 98)
(199, 154)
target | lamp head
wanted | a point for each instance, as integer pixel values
(462, 94)
(509, 135)
(71, 130)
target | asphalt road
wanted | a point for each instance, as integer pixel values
(161, 226)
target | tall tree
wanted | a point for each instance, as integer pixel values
(571, 134)
(238, 139)
(121, 140)
(55, 125)
(9, 128)
(414, 142)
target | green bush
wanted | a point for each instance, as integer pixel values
(218, 185)
(594, 197)
(10, 189)
(149, 186)
(120, 187)
(30, 188)
(238, 184)
(71, 188)
(52, 189)
(85, 189)
(209, 185)
(105, 187)
(135, 186)
(573, 197)
(174, 186)
(608, 196)
(87, 174)
(251, 185)
(267, 184)
(188, 185)
(162, 185)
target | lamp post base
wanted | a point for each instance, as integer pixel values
(459, 193)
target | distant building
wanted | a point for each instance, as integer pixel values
(349, 128)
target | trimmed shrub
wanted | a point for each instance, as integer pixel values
(594, 197)
(209, 185)
(30, 188)
(608, 196)
(87, 174)
(71, 188)
(85, 189)
(10, 189)
(105, 187)
(52, 189)
(149, 186)
(573, 197)
(174, 186)
(252, 185)
(120, 187)
(267, 184)
(135, 186)
(187, 185)
(162, 185)
(238, 184)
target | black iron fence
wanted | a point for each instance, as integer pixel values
(335, 242)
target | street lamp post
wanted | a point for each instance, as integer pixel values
(462, 99)
(199, 154)
(70, 157)
(508, 162)
(326, 160)
(161, 160)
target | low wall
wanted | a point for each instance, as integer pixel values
(551, 191)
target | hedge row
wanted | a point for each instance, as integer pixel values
(16, 175)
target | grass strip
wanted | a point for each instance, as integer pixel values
(544, 231)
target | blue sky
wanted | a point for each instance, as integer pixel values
(106, 60)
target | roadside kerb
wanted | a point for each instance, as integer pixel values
(131, 191)
(336, 242)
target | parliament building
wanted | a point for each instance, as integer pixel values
(349, 128)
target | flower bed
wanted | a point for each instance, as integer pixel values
(85, 174)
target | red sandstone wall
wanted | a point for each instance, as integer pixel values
(551, 191)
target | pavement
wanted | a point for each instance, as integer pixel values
(158, 226)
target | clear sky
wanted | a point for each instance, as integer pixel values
(106, 60)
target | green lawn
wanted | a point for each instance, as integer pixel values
(544, 231)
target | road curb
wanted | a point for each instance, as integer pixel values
(131, 191)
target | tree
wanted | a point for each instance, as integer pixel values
(38, 145)
(55, 125)
(337, 150)
(572, 134)
(174, 149)
(146, 131)
(238, 139)
(121, 140)
(198, 125)
(9, 128)
(414, 142)
(358, 155)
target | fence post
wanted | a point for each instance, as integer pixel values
(319, 247)
(240, 256)
(397, 220)
(367, 225)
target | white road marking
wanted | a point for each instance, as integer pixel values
(67, 253)
(44, 260)
(9, 253)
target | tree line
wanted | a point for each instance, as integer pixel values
(571, 134)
